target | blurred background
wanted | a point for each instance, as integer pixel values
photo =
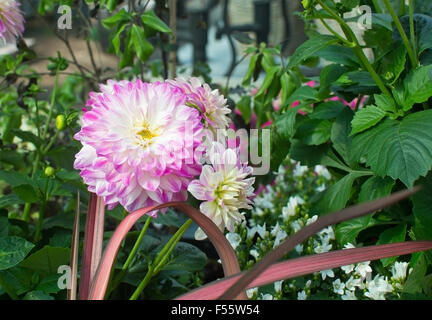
(212, 34)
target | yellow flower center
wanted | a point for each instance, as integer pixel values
(146, 134)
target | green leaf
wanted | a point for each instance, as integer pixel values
(340, 55)
(49, 284)
(149, 18)
(186, 257)
(304, 93)
(4, 226)
(422, 210)
(27, 193)
(143, 48)
(365, 118)
(328, 110)
(245, 107)
(19, 280)
(270, 75)
(288, 86)
(47, 260)
(347, 231)
(385, 103)
(309, 155)
(37, 295)
(417, 86)
(10, 199)
(375, 188)
(14, 178)
(337, 196)
(252, 64)
(119, 18)
(340, 134)
(314, 131)
(413, 284)
(284, 124)
(399, 149)
(310, 48)
(392, 235)
(12, 251)
(28, 136)
(170, 218)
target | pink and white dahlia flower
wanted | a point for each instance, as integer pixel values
(138, 144)
(224, 188)
(211, 103)
(11, 21)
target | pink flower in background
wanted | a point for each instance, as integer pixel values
(11, 21)
(211, 103)
(224, 188)
(138, 144)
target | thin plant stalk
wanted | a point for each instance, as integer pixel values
(161, 258)
(402, 33)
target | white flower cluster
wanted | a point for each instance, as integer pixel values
(281, 210)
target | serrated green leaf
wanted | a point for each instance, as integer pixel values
(37, 295)
(186, 257)
(399, 149)
(12, 251)
(14, 178)
(10, 199)
(417, 86)
(27, 193)
(385, 102)
(347, 231)
(340, 134)
(365, 118)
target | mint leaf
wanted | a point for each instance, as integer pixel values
(366, 118)
(309, 48)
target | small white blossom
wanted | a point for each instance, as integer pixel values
(338, 287)
(348, 269)
(349, 246)
(290, 209)
(296, 225)
(254, 253)
(278, 286)
(349, 295)
(234, 239)
(363, 269)
(299, 248)
(321, 188)
(327, 273)
(378, 287)
(353, 283)
(327, 233)
(302, 295)
(266, 296)
(321, 248)
(251, 292)
(308, 284)
(311, 220)
(299, 170)
(399, 270)
(322, 171)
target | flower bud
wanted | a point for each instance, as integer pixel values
(61, 122)
(49, 171)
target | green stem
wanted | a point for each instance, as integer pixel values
(161, 258)
(40, 220)
(137, 244)
(337, 35)
(405, 40)
(26, 210)
(119, 277)
(356, 48)
(51, 109)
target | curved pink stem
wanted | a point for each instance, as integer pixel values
(223, 247)
(309, 264)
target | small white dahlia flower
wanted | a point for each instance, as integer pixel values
(210, 102)
(224, 188)
(11, 21)
(138, 144)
